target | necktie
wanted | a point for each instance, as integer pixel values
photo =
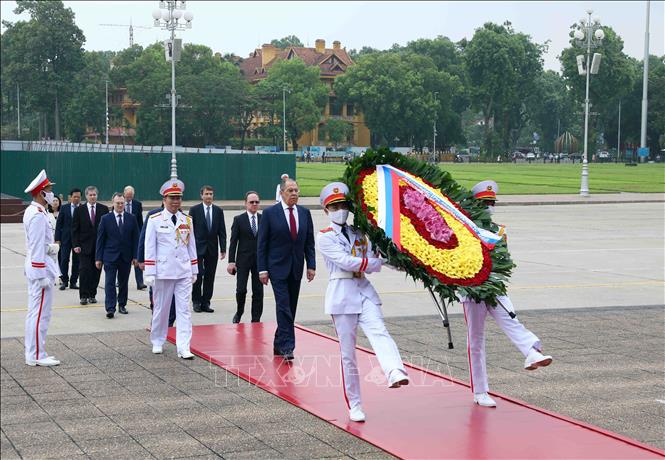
(73, 209)
(254, 225)
(92, 215)
(120, 222)
(129, 207)
(174, 219)
(346, 235)
(292, 224)
(208, 220)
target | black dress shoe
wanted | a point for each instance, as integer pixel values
(288, 356)
(141, 287)
(122, 310)
(276, 352)
(207, 309)
(84, 302)
(63, 286)
(92, 300)
(110, 315)
(73, 286)
(197, 307)
(236, 318)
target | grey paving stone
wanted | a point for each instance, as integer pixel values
(91, 428)
(117, 447)
(172, 445)
(66, 449)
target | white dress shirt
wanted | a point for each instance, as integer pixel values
(287, 214)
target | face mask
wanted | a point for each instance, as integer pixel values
(339, 217)
(49, 197)
(490, 209)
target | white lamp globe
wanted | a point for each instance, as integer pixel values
(599, 34)
(156, 14)
(579, 34)
(165, 15)
(177, 14)
(188, 16)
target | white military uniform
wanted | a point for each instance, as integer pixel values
(39, 245)
(170, 256)
(476, 313)
(352, 301)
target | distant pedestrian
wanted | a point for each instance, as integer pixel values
(135, 208)
(278, 190)
(40, 270)
(63, 236)
(242, 257)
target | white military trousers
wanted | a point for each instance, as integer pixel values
(474, 315)
(371, 322)
(162, 293)
(37, 320)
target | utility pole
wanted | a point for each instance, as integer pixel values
(284, 115)
(645, 84)
(107, 113)
(434, 134)
(619, 133)
(18, 111)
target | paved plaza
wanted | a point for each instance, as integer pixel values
(589, 283)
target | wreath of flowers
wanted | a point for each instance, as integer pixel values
(437, 249)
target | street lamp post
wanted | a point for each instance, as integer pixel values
(284, 91)
(107, 114)
(436, 93)
(591, 36)
(167, 18)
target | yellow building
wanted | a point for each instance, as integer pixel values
(332, 62)
(122, 130)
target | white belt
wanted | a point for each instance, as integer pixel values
(345, 275)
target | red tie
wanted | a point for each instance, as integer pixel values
(292, 224)
(92, 215)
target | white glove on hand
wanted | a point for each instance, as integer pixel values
(194, 277)
(53, 249)
(149, 280)
(44, 283)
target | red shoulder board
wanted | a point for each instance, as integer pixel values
(326, 230)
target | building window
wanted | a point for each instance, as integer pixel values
(335, 107)
(322, 133)
(350, 110)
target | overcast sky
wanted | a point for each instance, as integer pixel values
(240, 27)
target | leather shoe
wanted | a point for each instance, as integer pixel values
(63, 286)
(84, 301)
(356, 414)
(122, 310)
(46, 362)
(141, 287)
(157, 349)
(398, 378)
(73, 286)
(110, 315)
(236, 318)
(483, 399)
(197, 307)
(535, 359)
(185, 354)
(207, 309)
(92, 300)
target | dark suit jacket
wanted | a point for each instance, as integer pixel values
(63, 226)
(137, 212)
(140, 251)
(277, 253)
(242, 246)
(206, 241)
(84, 232)
(114, 245)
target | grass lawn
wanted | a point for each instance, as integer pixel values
(519, 179)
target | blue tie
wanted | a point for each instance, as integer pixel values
(208, 220)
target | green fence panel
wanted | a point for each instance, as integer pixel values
(231, 175)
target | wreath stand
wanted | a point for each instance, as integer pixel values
(443, 313)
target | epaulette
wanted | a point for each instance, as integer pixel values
(156, 214)
(326, 230)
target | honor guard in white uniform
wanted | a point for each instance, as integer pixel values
(351, 299)
(171, 267)
(503, 313)
(40, 270)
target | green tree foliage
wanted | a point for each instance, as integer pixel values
(286, 42)
(338, 130)
(43, 55)
(305, 100)
(503, 67)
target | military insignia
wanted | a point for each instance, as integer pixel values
(336, 190)
(326, 230)
(182, 233)
(489, 188)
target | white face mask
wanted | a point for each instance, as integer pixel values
(339, 217)
(49, 197)
(490, 209)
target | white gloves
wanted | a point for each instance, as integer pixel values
(149, 280)
(44, 283)
(53, 249)
(194, 277)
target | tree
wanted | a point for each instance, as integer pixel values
(305, 100)
(502, 68)
(365, 50)
(44, 54)
(286, 42)
(248, 103)
(338, 130)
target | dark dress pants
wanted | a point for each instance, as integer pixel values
(242, 275)
(63, 260)
(205, 279)
(119, 269)
(138, 274)
(286, 293)
(89, 276)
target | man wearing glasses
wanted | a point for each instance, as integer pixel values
(242, 257)
(171, 267)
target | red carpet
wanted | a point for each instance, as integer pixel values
(433, 417)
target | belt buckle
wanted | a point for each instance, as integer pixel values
(357, 275)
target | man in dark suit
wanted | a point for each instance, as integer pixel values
(63, 236)
(209, 231)
(242, 257)
(135, 208)
(286, 241)
(117, 240)
(141, 264)
(84, 240)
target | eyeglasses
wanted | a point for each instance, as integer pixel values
(253, 202)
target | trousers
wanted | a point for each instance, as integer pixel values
(371, 322)
(474, 315)
(37, 320)
(163, 292)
